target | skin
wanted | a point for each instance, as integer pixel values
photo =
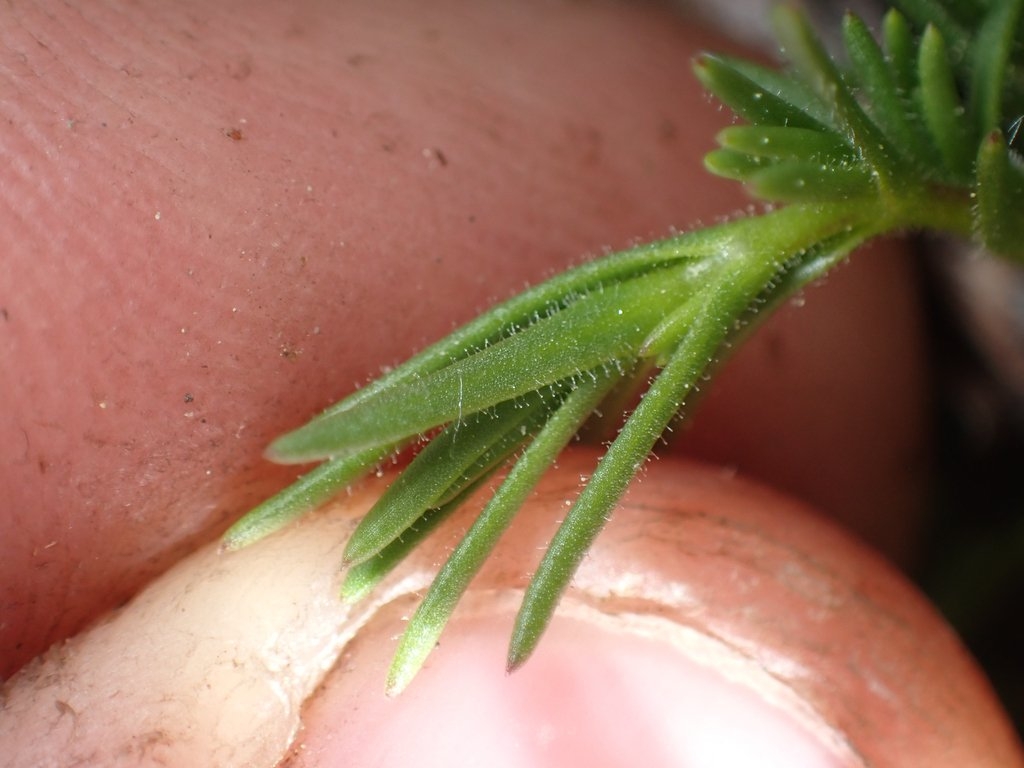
(221, 219)
(714, 623)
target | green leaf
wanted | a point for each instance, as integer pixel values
(442, 470)
(900, 54)
(730, 164)
(806, 52)
(885, 86)
(795, 182)
(759, 95)
(787, 143)
(523, 309)
(426, 625)
(1000, 197)
(607, 326)
(363, 577)
(305, 494)
(943, 112)
(791, 164)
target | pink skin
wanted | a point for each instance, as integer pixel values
(588, 698)
(219, 219)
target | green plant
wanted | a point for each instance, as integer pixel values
(909, 133)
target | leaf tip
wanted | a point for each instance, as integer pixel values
(355, 551)
(702, 66)
(244, 533)
(352, 591)
(513, 663)
(230, 543)
(518, 653)
(394, 685)
(281, 451)
(413, 649)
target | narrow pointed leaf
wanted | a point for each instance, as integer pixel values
(786, 143)
(1000, 196)
(730, 164)
(943, 112)
(440, 471)
(760, 95)
(425, 627)
(900, 54)
(305, 494)
(887, 98)
(617, 468)
(362, 578)
(795, 182)
(521, 310)
(606, 325)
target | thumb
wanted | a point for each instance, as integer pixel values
(715, 623)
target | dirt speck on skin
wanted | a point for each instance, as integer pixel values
(435, 157)
(64, 708)
(668, 132)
